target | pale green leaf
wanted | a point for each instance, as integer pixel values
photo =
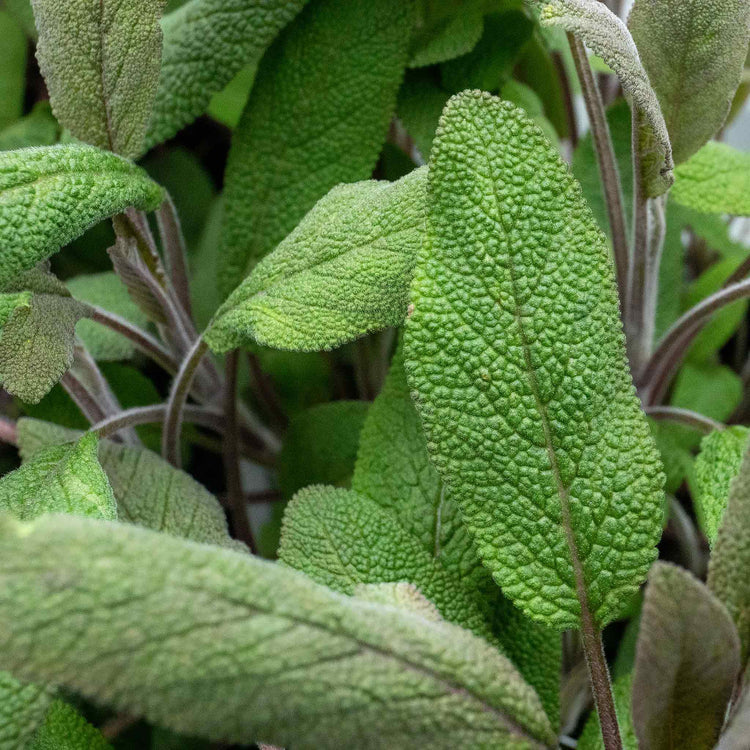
(65, 729)
(107, 291)
(23, 14)
(591, 737)
(320, 446)
(227, 105)
(402, 595)
(290, 150)
(393, 469)
(710, 389)
(717, 464)
(343, 272)
(445, 30)
(715, 180)
(687, 660)
(694, 53)
(226, 646)
(101, 63)
(49, 196)
(12, 69)
(515, 354)
(606, 35)
(23, 707)
(38, 128)
(149, 491)
(60, 479)
(730, 558)
(206, 43)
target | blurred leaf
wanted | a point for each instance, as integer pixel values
(420, 103)
(444, 30)
(12, 69)
(24, 15)
(227, 105)
(38, 128)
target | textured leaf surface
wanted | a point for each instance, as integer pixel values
(149, 491)
(715, 180)
(591, 737)
(311, 668)
(717, 464)
(516, 356)
(607, 36)
(101, 62)
(393, 469)
(37, 344)
(60, 479)
(730, 559)
(320, 446)
(694, 52)
(49, 196)
(22, 710)
(343, 272)
(107, 291)
(206, 42)
(687, 659)
(445, 30)
(290, 150)
(65, 729)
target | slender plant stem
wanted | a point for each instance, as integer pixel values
(8, 431)
(605, 156)
(139, 338)
(170, 445)
(739, 273)
(684, 416)
(265, 392)
(263, 496)
(154, 413)
(235, 497)
(687, 538)
(175, 253)
(567, 94)
(82, 398)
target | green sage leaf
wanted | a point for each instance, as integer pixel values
(515, 354)
(715, 180)
(445, 30)
(38, 128)
(101, 63)
(65, 729)
(290, 150)
(206, 42)
(23, 707)
(49, 196)
(343, 272)
(687, 660)
(301, 651)
(694, 54)
(12, 69)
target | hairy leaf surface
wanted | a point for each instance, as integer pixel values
(730, 559)
(23, 707)
(65, 729)
(516, 356)
(717, 464)
(49, 196)
(343, 272)
(206, 42)
(609, 38)
(715, 180)
(100, 60)
(694, 53)
(290, 150)
(149, 491)
(687, 659)
(184, 612)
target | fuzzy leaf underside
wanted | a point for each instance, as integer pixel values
(290, 150)
(23, 707)
(394, 470)
(607, 36)
(343, 272)
(730, 559)
(100, 60)
(225, 646)
(687, 660)
(715, 180)
(60, 479)
(149, 491)
(694, 52)
(51, 195)
(515, 356)
(65, 729)
(717, 464)
(206, 42)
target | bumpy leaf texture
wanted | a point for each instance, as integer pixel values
(444, 30)
(290, 150)
(394, 470)
(100, 60)
(22, 710)
(717, 464)
(516, 357)
(49, 196)
(716, 180)
(730, 559)
(687, 661)
(694, 52)
(206, 42)
(65, 729)
(149, 491)
(343, 272)
(225, 646)
(609, 38)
